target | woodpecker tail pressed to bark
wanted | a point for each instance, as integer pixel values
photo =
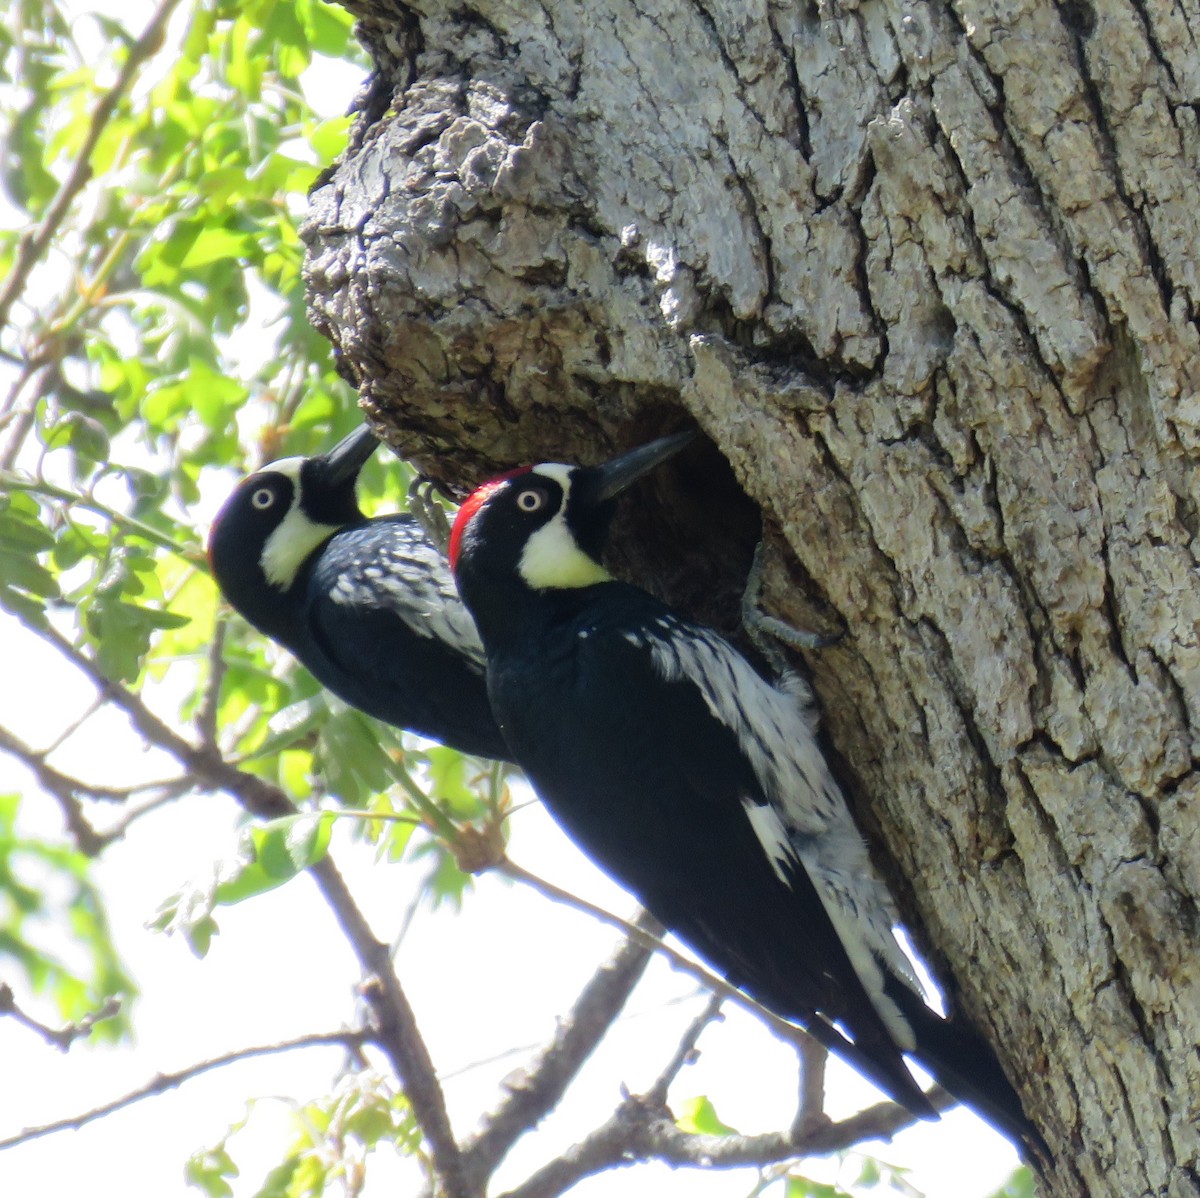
(695, 783)
(368, 606)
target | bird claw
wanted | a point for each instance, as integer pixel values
(766, 632)
(428, 513)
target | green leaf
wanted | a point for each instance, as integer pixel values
(219, 245)
(277, 852)
(352, 757)
(329, 138)
(449, 785)
(208, 1171)
(121, 632)
(188, 913)
(278, 1183)
(700, 1118)
(22, 573)
(286, 846)
(48, 906)
(329, 28)
(805, 1187)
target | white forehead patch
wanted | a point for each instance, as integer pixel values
(558, 473)
(288, 467)
(552, 559)
(295, 536)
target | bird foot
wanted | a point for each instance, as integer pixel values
(428, 513)
(766, 632)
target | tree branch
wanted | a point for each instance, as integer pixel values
(60, 1037)
(789, 1032)
(397, 1032)
(168, 792)
(540, 1087)
(19, 421)
(31, 247)
(63, 788)
(206, 717)
(685, 1052)
(11, 480)
(162, 1082)
(813, 1059)
(640, 1130)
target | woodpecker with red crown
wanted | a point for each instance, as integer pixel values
(695, 783)
(368, 606)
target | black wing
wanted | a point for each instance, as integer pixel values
(389, 635)
(656, 791)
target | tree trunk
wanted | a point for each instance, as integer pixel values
(923, 273)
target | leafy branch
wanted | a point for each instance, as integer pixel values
(396, 1031)
(33, 247)
(643, 1130)
(61, 1037)
(10, 480)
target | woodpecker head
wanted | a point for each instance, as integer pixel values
(544, 527)
(277, 518)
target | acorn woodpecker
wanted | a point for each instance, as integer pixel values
(367, 605)
(696, 783)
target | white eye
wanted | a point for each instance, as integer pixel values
(531, 501)
(263, 498)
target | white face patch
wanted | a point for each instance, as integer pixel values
(295, 537)
(552, 559)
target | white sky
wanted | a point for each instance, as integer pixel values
(493, 978)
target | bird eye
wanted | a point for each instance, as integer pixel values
(531, 500)
(263, 498)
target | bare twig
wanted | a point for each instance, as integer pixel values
(539, 1088)
(168, 792)
(64, 789)
(161, 1082)
(33, 246)
(73, 727)
(19, 420)
(685, 1052)
(813, 1059)
(35, 759)
(58, 1037)
(397, 1032)
(15, 389)
(786, 1031)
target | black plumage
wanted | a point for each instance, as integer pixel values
(695, 783)
(368, 606)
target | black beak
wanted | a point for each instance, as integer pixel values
(344, 461)
(613, 477)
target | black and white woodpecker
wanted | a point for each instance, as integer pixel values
(696, 783)
(367, 605)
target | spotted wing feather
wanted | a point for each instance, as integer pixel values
(415, 659)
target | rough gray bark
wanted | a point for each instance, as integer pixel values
(925, 274)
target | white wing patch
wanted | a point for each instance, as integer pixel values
(808, 819)
(772, 835)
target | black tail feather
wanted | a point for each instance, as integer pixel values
(963, 1063)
